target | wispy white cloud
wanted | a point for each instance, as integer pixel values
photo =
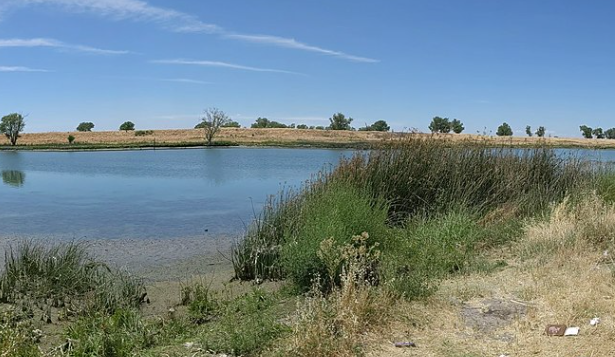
(20, 69)
(48, 42)
(179, 22)
(294, 44)
(131, 9)
(223, 65)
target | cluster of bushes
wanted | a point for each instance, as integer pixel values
(144, 132)
(598, 133)
(337, 122)
(264, 123)
(445, 126)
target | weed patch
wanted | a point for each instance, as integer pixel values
(333, 324)
(64, 278)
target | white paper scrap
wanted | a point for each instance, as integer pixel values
(571, 331)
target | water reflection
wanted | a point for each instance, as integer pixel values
(13, 178)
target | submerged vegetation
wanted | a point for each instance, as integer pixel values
(385, 228)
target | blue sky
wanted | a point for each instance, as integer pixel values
(160, 63)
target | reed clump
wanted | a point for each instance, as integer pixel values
(412, 178)
(65, 281)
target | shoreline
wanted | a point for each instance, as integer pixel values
(315, 145)
(154, 260)
(273, 138)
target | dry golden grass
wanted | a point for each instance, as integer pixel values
(334, 325)
(241, 136)
(558, 272)
(283, 136)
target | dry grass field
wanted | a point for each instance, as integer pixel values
(196, 136)
(282, 137)
(554, 275)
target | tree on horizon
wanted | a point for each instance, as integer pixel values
(504, 130)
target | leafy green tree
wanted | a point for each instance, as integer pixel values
(586, 131)
(232, 124)
(457, 126)
(440, 125)
(11, 125)
(264, 123)
(127, 125)
(71, 139)
(598, 133)
(212, 121)
(504, 130)
(528, 130)
(541, 131)
(380, 125)
(302, 126)
(339, 122)
(85, 126)
(260, 123)
(610, 133)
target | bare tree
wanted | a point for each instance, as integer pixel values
(212, 121)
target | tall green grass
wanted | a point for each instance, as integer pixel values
(337, 213)
(401, 182)
(605, 185)
(427, 250)
(425, 176)
(120, 334)
(65, 277)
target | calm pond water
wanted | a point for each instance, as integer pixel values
(149, 210)
(155, 194)
(146, 194)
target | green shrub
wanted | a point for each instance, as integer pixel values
(335, 324)
(144, 132)
(606, 186)
(71, 139)
(202, 304)
(246, 325)
(429, 249)
(338, 213)
(118, 335)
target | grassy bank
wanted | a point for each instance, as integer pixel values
(465, 251)
(268, 137)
